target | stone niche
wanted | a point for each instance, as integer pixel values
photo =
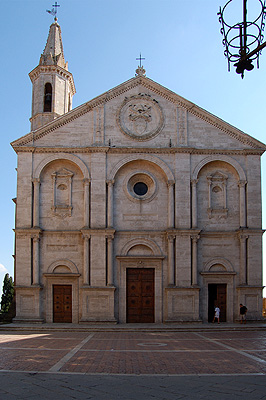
(217, 204)
(62, 192)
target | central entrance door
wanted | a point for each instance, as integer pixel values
(217, 297)
(140, 295)
(62, 295)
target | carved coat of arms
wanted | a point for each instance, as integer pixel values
(140, 117)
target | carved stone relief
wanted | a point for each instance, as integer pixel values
(140, 117)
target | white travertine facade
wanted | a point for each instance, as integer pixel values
(137, 206)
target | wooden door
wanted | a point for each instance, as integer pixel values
(221, 300)
(62, 295)
(140, 295)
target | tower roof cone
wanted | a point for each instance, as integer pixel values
(53, 53)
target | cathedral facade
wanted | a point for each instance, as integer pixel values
(135, 207)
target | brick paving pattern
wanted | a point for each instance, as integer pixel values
(174, 353)
(69, 365)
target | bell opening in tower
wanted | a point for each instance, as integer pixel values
(47, 106)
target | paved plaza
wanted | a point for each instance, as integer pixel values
(117, 364)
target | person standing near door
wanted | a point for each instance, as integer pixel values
(243, 313)
(216, 314)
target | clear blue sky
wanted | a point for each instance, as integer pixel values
(181, 43)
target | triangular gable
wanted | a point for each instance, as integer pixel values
(154, 87)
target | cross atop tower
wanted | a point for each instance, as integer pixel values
(53, 11)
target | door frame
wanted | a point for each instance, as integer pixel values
(156, 263)
(62, 279)
(217, 278)
(216, 302)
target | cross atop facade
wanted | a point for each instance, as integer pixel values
(140, 59)
(54, 10)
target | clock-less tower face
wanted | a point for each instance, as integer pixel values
(140, 117)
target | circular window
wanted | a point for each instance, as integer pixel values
(140, 188)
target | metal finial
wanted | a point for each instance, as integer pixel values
(139, 59)
(53, 11)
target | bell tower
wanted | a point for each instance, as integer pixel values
(52, 84)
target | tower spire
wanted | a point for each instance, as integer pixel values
(53, 53)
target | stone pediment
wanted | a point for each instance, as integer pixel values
(140, 116)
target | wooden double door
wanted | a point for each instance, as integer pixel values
(62, 303)
(217, 297)
(140, 295)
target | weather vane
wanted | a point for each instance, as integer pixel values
(140, 59)
(243, 40)
(53, 11)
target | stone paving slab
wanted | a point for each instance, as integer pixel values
(14, 386)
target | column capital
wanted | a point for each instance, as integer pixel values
(171, 237)
(170, 183)
(86, 236)
(243, 236)
(86, 181)
(194, 182)
(35, 234)
(242, 183)
(109, 236)
(195, 237)
(36, 180)
(110, 182)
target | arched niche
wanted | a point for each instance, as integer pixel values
(223, 158)
(62, 266)
(147, 246)
(62, 156)
(218, 265)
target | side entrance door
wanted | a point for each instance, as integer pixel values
(217, 296)
(62, 299)
(140, 295)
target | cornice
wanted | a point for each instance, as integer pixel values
(133, 150)
(155, 88)
(235, 233)
(201, 113)
(28, 232)
(47, 69)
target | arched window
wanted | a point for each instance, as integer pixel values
(47, 106)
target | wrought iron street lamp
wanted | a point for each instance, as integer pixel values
(243, 41)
